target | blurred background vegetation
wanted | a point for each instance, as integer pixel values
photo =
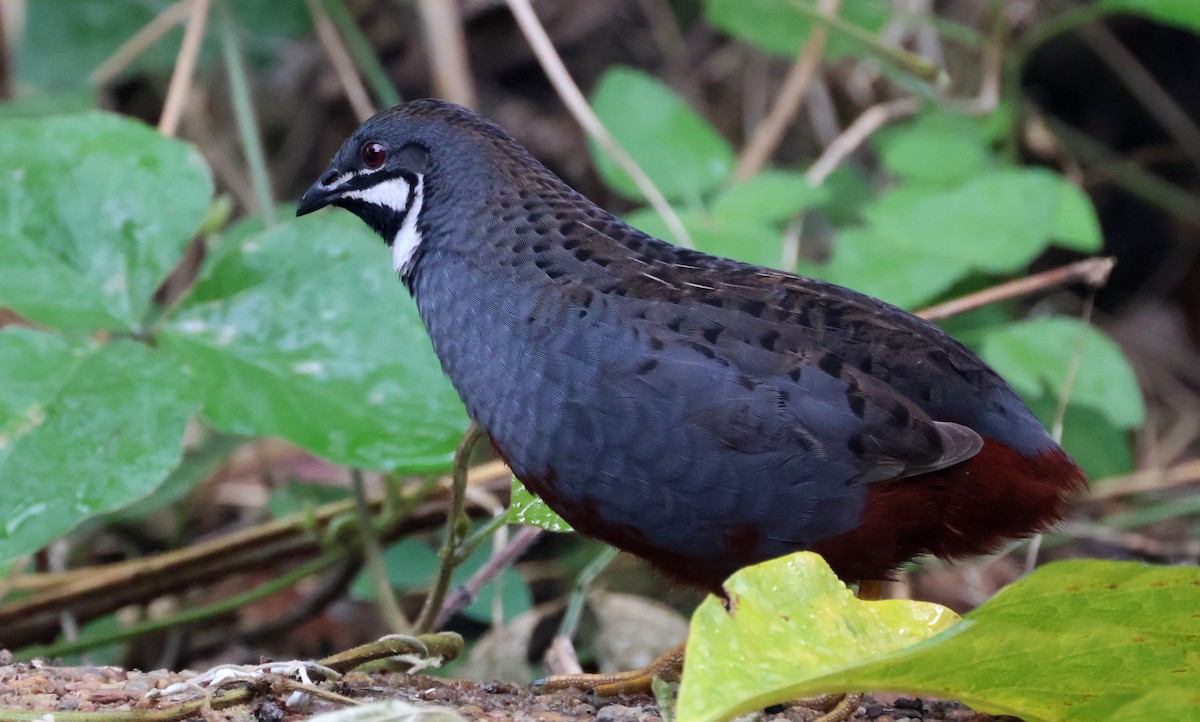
(159, 304)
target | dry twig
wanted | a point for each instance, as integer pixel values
(1093, 271)
(578, 106)
(185, 68)
(343, 64)
(447, 48)
(769, 133)
(139, 42)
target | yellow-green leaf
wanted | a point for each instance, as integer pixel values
(789, 621)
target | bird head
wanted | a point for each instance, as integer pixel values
(427, 163)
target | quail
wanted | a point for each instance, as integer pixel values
(701, 413)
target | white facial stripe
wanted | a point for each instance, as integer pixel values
(404, 246)
(392, 193)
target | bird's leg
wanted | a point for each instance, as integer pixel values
(668, 666)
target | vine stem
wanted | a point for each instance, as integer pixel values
(448, 554)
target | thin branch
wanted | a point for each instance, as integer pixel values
(447, 48)
(243, 110)
(329, 591)
(1143, 86)
(185, 68)
(1093, 271)
(1151, 188)
(208, 611)
(1178, 549)
(385, 596)
(769, 133)
(363, 54)
(96, 590)
(1147, 480)
(448, 554)
(871, 120)
(1064, 398)
(141, 41)
(6, 52)
(578, 106)
(462, 597)
(343, 64)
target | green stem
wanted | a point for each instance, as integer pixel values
(448, 554)
(467, 546)
(362, 52)
(385, 596)
(199, 613)
(1098, 157)
(570, 622)
(243, 110)
(910, 63)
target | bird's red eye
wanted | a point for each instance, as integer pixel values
(373, 155)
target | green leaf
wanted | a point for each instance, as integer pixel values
(937, 147)
(1035, 355)
(769, 197)
(684, 156)
(303, 331)
(84, 429)
(197, 466)
(786, 622)
(65, 40)
(748, 241)
(1074, 641)
(775, 26)
(1182, 13)
(1096, 444)
(1077, 225)
(527, 509)
(95, 210)
(888, 267)
(998, 222)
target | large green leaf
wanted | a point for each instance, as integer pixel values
(1183, 13)
(786, 621)
(84, 429)
(95, 210)
(303, 331)
(1037, 354)
(684, 156)
(1074, 641)
(777, 27)
(998, 222)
